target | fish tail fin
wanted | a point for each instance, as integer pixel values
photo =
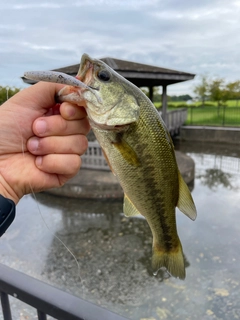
(172, 260)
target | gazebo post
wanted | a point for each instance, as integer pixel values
(150, 93)
(164, 103)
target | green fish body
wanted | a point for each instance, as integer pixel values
(140, 153)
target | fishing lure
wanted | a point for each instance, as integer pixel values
(59, 77)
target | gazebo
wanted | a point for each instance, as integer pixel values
(142, 75)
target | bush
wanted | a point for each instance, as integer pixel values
(209, 104)
(6, 93)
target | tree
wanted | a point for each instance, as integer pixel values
(6, 93)
(183, 97)
(145, 91)
(234, 90)
(157, 97)
(217, 91)
(201, 90)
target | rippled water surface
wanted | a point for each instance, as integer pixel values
(114, 252)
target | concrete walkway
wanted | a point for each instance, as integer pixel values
(97, 184)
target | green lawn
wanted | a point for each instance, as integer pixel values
(182, 104)
(228, 116)
(210, 114)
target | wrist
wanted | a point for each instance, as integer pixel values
(7, 192)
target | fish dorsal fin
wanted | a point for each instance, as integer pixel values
(128, 207)
(185, 200)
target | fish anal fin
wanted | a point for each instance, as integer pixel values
(128, 207)
(185, 201)
(172, 260)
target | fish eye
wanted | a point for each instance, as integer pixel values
(103, 75)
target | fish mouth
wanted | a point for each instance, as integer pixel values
(85, 73)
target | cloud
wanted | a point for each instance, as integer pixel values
(198, 37)
(36, 6)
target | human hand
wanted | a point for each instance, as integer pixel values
(40, 144)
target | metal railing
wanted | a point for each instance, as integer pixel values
(93, 158)
(46, 299)
(175, 119)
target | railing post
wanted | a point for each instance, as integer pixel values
(224, 110)
(5, 306)
(41, 315)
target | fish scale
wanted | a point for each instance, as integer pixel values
(150, 176)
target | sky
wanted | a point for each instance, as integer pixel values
(200, 37)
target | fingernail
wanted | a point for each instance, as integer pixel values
(41, 126)
(38, 161)
(33, 144)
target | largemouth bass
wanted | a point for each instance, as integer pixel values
(140, 152)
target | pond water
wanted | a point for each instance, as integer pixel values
(114, 252)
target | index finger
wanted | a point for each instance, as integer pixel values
(40, 95)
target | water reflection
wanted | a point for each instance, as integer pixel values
(212, 178)
(218, 165)
(114, 252)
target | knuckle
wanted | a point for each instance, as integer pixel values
(76, 163)
(83, 144)
(64, 125)
(85, 126)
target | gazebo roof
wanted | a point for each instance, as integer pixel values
(142, 75)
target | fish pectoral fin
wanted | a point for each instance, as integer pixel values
(185, 201)
(128, 207)
(127, 152)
